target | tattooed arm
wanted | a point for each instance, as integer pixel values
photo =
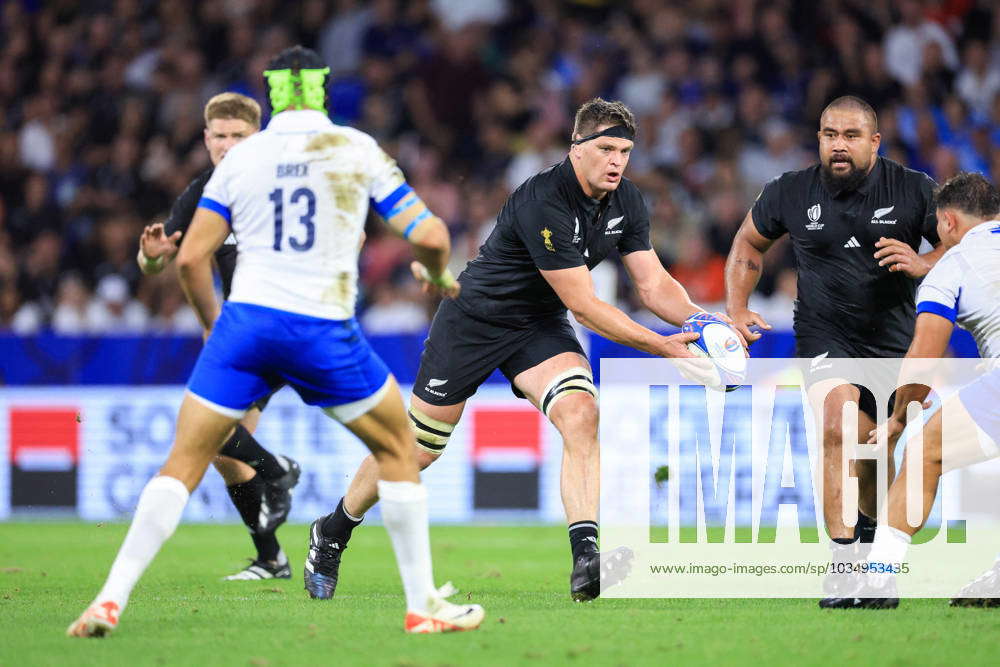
(743, 267)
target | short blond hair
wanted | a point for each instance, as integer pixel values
(230, 106)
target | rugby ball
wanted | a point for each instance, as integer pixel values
(720, 343)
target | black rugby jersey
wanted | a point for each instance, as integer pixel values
(841, 287)
(181, 214)
(548, 223)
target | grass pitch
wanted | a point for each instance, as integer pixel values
(182, 614)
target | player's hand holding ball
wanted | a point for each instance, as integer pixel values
(743, 319)
(722, 344)
(443, 285)
(732, 325)
(693, 368)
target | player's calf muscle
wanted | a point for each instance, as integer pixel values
(232, 470)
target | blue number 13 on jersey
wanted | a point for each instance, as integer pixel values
(306, 219)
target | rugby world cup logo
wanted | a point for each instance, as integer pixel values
(813, 213)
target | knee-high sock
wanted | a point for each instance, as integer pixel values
(246, 498)
(889, 547)
(404, 513)
(242, 446)
(156, 516)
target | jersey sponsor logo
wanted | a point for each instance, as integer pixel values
(547, 239)
(613, 226)
(813, 213)
(852, 243)
(434, 382)
(880, 213)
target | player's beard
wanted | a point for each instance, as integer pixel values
(843, 182)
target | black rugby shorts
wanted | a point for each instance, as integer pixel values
(462, 351)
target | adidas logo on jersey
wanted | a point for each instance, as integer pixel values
(852, 243)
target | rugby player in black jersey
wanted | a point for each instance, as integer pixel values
(856, 221)
(511, 314)
(259, 483)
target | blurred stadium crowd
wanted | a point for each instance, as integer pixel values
(101, 122)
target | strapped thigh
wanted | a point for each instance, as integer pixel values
(432, 434)
(575, 380)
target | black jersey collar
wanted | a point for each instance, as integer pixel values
(871, 178)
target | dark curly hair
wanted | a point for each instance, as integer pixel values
(970, 193)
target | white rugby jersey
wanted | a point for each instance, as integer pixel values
(296, 196)
(964, 287)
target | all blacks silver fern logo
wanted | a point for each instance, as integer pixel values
(814, 212)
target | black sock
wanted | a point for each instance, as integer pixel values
(338, 526)
(864, 529)
(582, 537)
(242, 446)
(843, 540)
(246, 497)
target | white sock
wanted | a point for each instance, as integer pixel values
(404, 513)
(842, 553)
(890, 546)
(156, 516)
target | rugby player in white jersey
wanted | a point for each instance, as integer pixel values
(962, 288)
(296, 197)
(258, 482)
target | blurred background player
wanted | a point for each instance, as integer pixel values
(968, 214)
(856, 221)
(300, 192)
(258, 482)
(511, 315)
